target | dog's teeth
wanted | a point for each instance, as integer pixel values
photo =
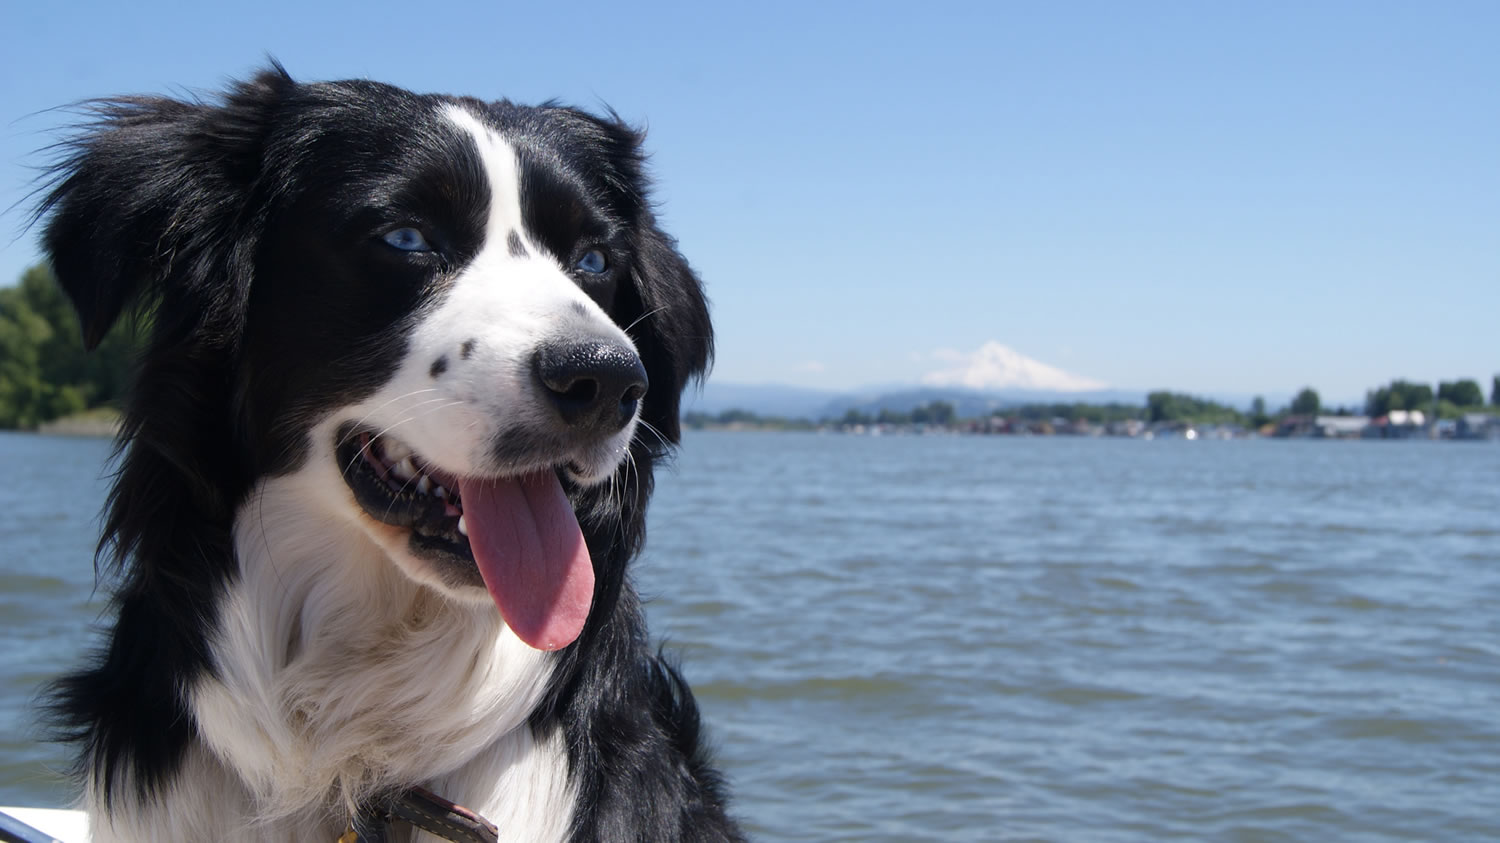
(440, 491)
(462, 527)
(405, 469)
(394, 450)
(424, 484)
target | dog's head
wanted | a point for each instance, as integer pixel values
(459, 320)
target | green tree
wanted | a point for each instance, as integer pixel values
(1258, 415)
(1463, 393)
(1448, 410)
(1307, 403)
(44, 370)
(1177, 407)
(854, 417)
(1399, 395)
(1495, 392)
(941, 413)
(1162, 406)
(22, 332)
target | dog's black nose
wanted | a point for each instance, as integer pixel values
(594, 384)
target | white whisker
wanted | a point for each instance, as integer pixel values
(375, 410)
(654, 432)
(400, 422)
(644, 316)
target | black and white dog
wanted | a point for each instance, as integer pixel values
(410, 361)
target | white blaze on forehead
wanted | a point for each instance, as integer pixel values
(504, 172)
(533, 285)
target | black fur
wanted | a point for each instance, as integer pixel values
(216, 218)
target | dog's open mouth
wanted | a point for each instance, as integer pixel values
(397, 488)
(519, 533)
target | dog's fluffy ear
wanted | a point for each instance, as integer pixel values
(146, 201)
(672, 331)
(664, 303)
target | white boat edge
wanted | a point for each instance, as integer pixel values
(66, 826)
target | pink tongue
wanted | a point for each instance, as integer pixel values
(532, 556)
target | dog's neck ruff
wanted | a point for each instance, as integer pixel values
(306, 703)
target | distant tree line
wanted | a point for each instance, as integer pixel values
(1077, 411)
(1161, 406)
(44, 371)
(1176, 406)
(941, 413)
(1452, 398)
(1399, 395)
(742, 418)
(1164, 406)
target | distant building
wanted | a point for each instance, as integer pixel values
(1340, 427)
(1225, 431)
(1478, 426)
(1077, 427)
(1400, 424)
(1297, 427)
(1408, 418)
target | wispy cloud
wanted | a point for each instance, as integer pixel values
(996, 366)
(810, 366)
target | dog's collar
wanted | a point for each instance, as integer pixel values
(423, 809)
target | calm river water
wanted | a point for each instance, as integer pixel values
(957, 638)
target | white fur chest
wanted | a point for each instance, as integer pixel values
(338, 677)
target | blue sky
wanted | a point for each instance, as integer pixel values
(1227, 198)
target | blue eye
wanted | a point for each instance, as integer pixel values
(593, 262)
(407, 240)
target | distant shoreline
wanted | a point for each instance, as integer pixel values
(1312, 428)
(98, 423)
